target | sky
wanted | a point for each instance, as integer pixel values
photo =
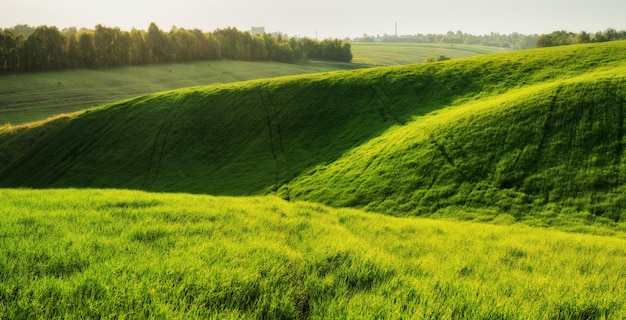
(325, 18)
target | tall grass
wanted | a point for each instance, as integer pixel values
(127, 254)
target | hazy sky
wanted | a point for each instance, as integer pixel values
(329, 18)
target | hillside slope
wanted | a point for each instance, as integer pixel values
(538, 131)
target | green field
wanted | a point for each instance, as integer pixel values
(399, 53)
(487, 187)
(125, 254)
(28, 97)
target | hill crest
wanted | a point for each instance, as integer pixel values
(534, 134)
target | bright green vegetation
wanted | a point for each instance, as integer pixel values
(129, 254)
(28, 97)
(494, 146)
(398, 53)
(535, 136)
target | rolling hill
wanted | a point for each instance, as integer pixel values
(28, 97)
(534, 136)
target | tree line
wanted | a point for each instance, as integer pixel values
(45, 48)
(560, 38)
(514, 40)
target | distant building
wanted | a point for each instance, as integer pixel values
(257, 31)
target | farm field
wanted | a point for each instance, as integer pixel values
(398, 53)
(129, 254)
(32, 97)
(29, 97)
(482, 187)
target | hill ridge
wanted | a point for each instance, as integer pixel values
(316, 137)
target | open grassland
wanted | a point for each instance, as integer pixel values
(128, 254)
(29, 97)
(515, 141)
(32, 97)
(400, 53)
(536, 136)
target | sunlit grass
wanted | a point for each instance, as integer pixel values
(112, 253)
(396, 53)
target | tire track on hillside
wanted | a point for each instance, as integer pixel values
(446, 156)
(158, 148)
(88, 142)
(613, 90)
(386, 105)
(275, 132)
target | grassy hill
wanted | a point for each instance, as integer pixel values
(128, 254)
(533, 136)
(401, 53)
(29, 97)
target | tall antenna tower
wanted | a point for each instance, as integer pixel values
(396, 29)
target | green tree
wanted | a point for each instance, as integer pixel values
(44, 50)
(87, 49)
(103, 47)
(583, 37)
(9, 51)
(157, 44)
(74, 54)
(138, 52)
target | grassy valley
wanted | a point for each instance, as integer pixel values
(304, 196)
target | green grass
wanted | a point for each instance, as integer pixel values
(397, 53)
(507, 151)
(29, 97)
(536, 135)
(126, 254)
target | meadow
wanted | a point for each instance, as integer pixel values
(29, 97)
(90, 253)
(488, 187)
(401, 53)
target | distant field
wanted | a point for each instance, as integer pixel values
(389, 53)
(37, 96)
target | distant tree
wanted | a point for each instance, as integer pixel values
(599, 37)
(583, 37)
(611, 34)
(182, 45)
(87, 49)
(430, 59)
(74, 54)
(67, 32)
(138, 51)
(44, 50)
(258, 51)
(9, 51)
(157, 44)
(284, 52)
(23, 30)
(544, 40)
(103, 47)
